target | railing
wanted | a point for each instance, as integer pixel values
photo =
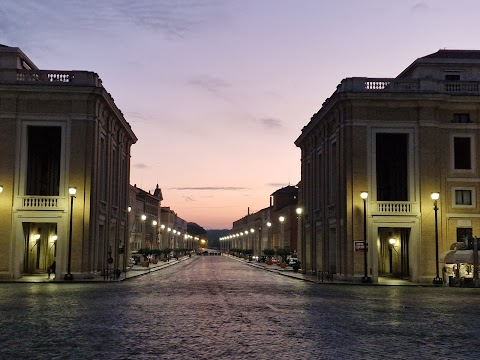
(394, 208)
(40, 203)
(462, 87)
(388, 85)
(49, 77)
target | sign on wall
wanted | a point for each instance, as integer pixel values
(358, 245)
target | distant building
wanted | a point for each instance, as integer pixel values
(399, 139)
(60, 130)
(144, 218)
(173, 231)
(275, 227)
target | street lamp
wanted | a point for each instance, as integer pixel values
(269, 235)
(144, 233)
(436, 279)
(68, 276)
(252, 230)
(303, 251)
(282, 219)
(366, 279)
(155, 234)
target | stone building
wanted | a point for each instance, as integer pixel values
(274, 227)
(173, 230)
(60, 130)
(400, 140)
(144, 218)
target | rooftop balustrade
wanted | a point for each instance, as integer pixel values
(386, 85)
(49, 77)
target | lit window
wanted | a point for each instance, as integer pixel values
(463, 197)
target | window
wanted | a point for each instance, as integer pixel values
(103, 170)
(44, 158)
(463, 197)
(333, 173)
(462, 153)
(452, 77)
(461, 118)
(463, 234)
(392, 166)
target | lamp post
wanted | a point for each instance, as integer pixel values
(161, 241)
(143, 242)
(68, 276)
(155, 233)
(436, 279)
(269, 237)
(252, 230)
(366, 279)
(303, 260)
(282, 219)
(392, 242)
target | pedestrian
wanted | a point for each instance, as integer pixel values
(51, 269)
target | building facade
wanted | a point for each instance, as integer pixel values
(60, 130)
(144, 219)
(173, 231)
(398, 140)
(274, 227)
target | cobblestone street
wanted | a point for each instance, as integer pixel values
(213, 307)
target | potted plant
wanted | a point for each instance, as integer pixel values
(144, 253)
(283, 253)
(269, 253)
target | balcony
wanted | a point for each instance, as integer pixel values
(394, 208)
(33, 203)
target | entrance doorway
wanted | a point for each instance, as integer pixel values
(393, 252)
(40, 247)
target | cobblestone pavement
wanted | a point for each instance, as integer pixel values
(213, 307)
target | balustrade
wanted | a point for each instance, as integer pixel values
(40, 203)
(394, 207)
(50, 77)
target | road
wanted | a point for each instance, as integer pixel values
(213, 307)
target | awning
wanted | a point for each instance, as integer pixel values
(448, 257)
(464, 256)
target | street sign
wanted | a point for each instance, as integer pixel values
(358, 246)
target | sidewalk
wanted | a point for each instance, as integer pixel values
(317, 279)
(132, 272)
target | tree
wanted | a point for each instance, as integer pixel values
(195, 229)
(268, 252)
(283, 253)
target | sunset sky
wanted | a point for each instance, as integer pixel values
(217, 91)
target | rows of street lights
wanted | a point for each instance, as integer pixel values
(170, 231)
(364, 195)
(238, 235)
